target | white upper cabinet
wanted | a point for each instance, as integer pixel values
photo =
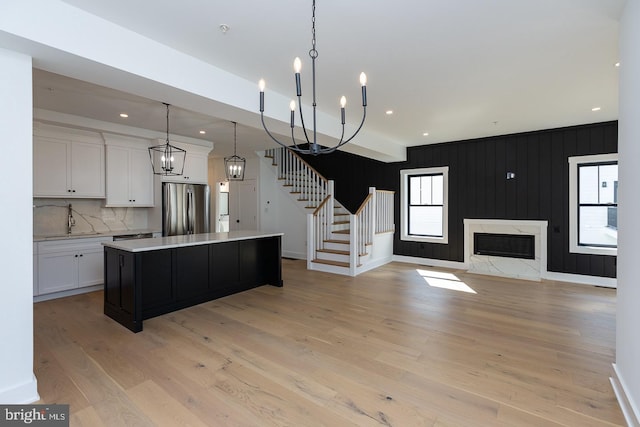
(67, 163)
(196, 164)
(129, 172)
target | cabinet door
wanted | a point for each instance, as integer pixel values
(50, 166)
(57, 271)
(192, 271)
(156, 281)
(90, 268)
(119, 295)
(87, 170)
(196, 168)
(140, 178)
(118, 176)
(224, 266)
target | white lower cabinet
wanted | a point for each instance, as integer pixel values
(70, 264)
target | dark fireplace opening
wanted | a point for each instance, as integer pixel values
(504, 245)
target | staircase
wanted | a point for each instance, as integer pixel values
(337, 240)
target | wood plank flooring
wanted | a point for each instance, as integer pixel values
(396, 346)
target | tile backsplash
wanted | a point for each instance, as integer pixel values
(50, 217)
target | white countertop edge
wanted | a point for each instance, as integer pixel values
(169, 242)
(90, 234)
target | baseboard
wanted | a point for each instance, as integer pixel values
(629, 409)
(431, 262)
(581, 279)
(70, 292)
(370, 265)
(294, 255)
(22, 394)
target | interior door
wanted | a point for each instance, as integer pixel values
(244, 206)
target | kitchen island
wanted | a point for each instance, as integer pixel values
(144, 278)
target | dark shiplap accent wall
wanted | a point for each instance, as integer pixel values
(478, 187)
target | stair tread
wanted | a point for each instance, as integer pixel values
(340, 222)
(329, 262)
(342, 232)
(340, 242)
(333, 251)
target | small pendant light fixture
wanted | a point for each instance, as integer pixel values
(234, 166)
(167, 159)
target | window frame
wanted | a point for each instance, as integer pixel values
(405, 175)
(574, 219)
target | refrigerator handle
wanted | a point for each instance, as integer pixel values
(190, 213)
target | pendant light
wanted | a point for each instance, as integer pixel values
(234, 166)
(167, 159)
(312, 143)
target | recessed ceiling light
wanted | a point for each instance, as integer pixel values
(202, 132)
(389, 112)
(595, 109)
(124, 115)
(425, 134)
(224, 28)
(617, 64)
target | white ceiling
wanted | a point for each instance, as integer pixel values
(456, 69)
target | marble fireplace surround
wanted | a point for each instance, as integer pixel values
(527, 269)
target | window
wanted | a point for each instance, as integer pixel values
(424, 204)
(593, 204)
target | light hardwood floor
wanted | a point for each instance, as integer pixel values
(387, 348)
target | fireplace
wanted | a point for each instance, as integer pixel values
(505, 245)
(506, 248)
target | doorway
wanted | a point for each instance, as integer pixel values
(243, 205)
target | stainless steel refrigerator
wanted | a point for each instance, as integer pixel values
(185, 208)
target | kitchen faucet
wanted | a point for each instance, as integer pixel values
(70, 219)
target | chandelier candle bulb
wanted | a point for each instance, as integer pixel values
(343, 102)
(292, 106)
(363, 82)
(261, 85)
(297, 66)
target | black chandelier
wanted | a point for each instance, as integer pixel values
(313, 146)
(165, 157)
(234, 166)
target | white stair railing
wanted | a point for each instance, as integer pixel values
(319, 228)
(365, 221)
(310, 187)
(384, 211)
(375, 215)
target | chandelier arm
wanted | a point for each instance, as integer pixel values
(341, 143)
(293, 139)
(364, 116)
(296, 148)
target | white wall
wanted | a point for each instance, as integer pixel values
(17, 383)
(277, 212)
(628, 312)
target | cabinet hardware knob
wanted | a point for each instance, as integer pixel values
(73, 191)
(80, 254)
(76, 255)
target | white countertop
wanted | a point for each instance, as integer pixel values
(85, 235)
(143, 245)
